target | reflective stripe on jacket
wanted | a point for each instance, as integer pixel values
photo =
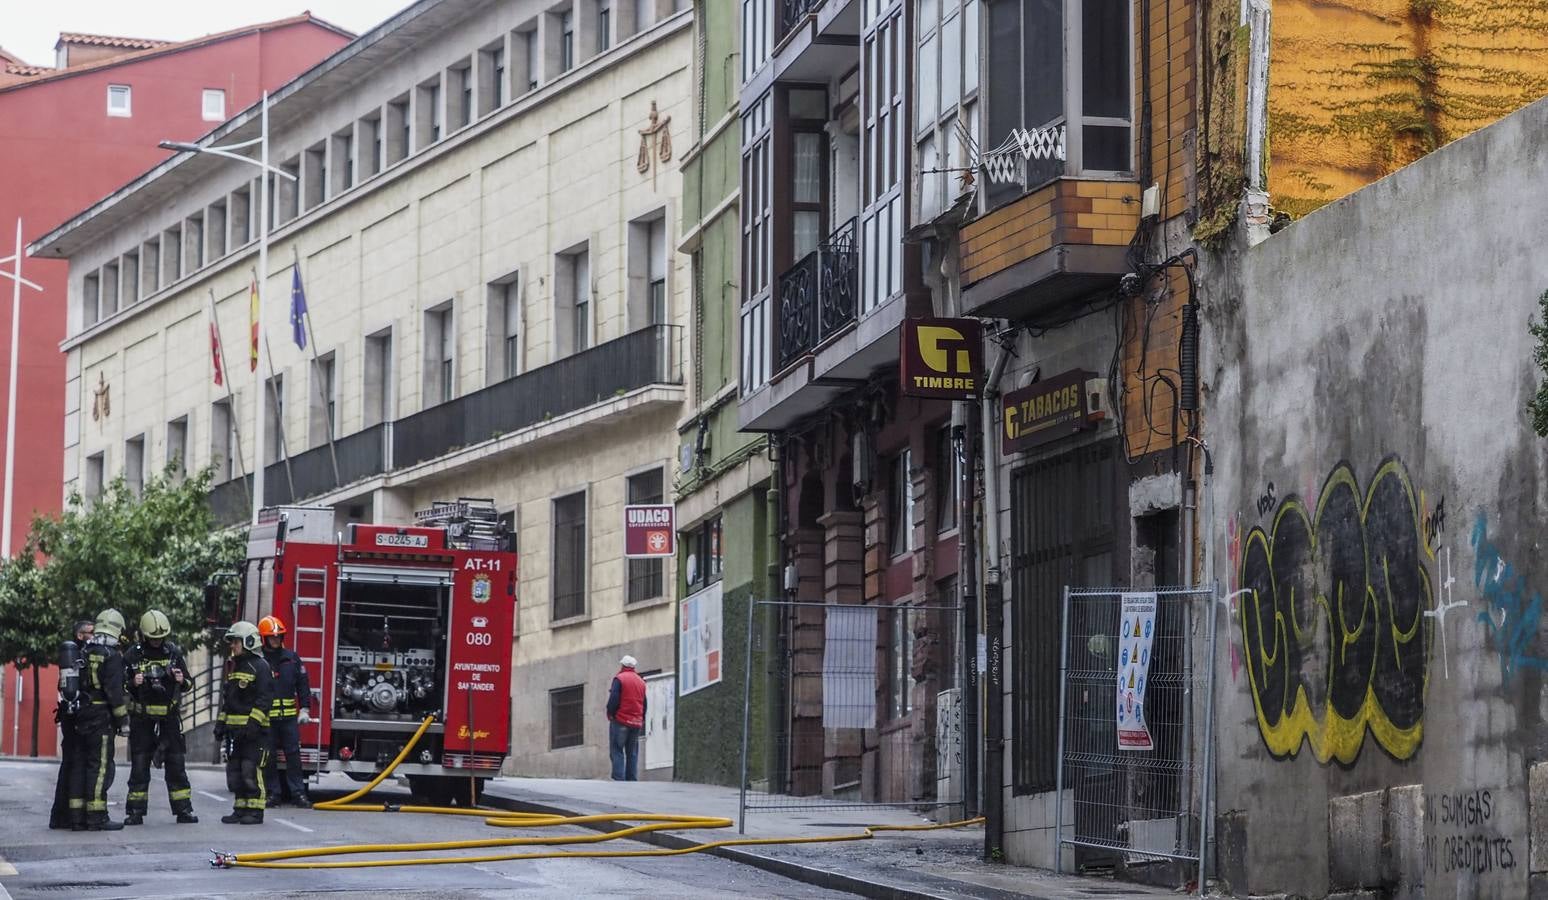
(248, 692)
(292, 688)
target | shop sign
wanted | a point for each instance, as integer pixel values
(1051, 409)
(648, 531)
(941, 358)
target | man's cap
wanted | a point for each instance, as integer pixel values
(628, 662)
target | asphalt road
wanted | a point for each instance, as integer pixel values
(161, 859)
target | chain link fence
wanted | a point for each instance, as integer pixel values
(860, 707)
(1135, 724)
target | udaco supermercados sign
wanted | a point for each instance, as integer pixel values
(1053, 408)
(941, 358)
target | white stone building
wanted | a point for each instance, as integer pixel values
(486, 193)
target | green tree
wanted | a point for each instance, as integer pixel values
(132, 553)
(1538, 405)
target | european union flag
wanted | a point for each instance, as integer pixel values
(297, 308)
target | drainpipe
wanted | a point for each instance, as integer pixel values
(993, 615)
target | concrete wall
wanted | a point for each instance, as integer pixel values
(1379, 494)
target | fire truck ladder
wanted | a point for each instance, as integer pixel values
(322, 645)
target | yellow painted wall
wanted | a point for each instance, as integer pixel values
(1358, 90)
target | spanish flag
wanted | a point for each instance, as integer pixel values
(252, 319)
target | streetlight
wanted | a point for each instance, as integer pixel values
(17, 281)
(262, 162)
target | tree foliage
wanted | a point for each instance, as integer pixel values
(1538, 405)
(129, 552)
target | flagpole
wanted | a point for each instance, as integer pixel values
(322, 393)
(263, 268)
(231, 407)
(279, 418)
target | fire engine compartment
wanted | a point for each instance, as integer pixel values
(390, 657)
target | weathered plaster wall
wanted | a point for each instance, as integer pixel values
(1380, 496)
(1359, 90)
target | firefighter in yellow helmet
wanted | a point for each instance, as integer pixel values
(244, 723)
(104, 713)
(158, 677)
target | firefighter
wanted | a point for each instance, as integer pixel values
(103, 714)
(291, 709)
(71, 654)
(244, 723)
(158, 676)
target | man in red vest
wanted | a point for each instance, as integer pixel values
(626, 720)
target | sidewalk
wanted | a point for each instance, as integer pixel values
(897, 866)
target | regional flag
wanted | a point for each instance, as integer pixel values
(252, 320)
(297, 308)
(220, 377)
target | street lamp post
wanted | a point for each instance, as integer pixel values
(262, 162)
(17, 281)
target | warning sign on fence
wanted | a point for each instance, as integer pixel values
(1135, 632)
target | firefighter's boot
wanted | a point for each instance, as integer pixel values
(234, 818)
(104, 824)
(187, 818)
(301, 801)
(251, 817)
(134, 819)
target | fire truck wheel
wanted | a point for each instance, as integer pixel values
(441, 790)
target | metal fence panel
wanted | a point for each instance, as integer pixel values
(861, 711)
(1133, 804)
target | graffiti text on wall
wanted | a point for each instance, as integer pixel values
(1334, 631)
(1459, 836)
(1513, 612)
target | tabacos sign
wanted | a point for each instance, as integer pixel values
(648, 531)
(1053, 408)
(941, 358)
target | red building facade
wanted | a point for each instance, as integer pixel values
(69, 136)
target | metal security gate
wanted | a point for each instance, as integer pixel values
(1136, 722)
(857, 706)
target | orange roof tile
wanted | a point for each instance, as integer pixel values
(107, 40)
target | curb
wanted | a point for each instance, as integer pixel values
(807, 874)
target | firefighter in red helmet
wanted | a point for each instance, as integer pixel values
(293, 702)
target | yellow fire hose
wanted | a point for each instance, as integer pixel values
(286, 859)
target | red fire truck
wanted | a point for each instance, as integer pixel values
(393, 623)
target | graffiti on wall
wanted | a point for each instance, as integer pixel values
(1512, 611)
(1333, 627)
(1461, 834)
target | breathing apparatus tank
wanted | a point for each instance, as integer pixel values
(70, 664)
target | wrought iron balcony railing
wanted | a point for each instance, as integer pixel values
(791, 12)
(651, 355)
(817, 295)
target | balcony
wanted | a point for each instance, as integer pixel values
(606, 372)
(817, 296)
(1058, 243)
(815, 39)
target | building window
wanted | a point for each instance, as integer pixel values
(377, 393)
(566, 40)
(573, 273)
(567, 717)
(505, 328)
(215, 230)
(950, 627)
(948, 475)
(648, 272)
(460, 84)
(757, 244)
(91, 300)
(323, 420)
(900, 504)
(498, 61)
(757, 36)
(946, 65)
(118, 101)
(604, 24)
(900, 665)
(214, 105)
(109, 289)
(129, 267)
(705, 565)
(223, 445)
(492, 77)
(193, 242)
(646, 576)
(172, 255)
(343, 162)
(150, 266)
(95, 466)
(275, 400)
(429, 116)
(1028, 70)
(241, 219)
(569, 566)
(398, 126)
(177, 445)
(440, 354)
(134, 464)
(534, 59)
(316, 181)
(882, 139)
(370, 145)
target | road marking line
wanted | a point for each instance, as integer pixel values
(216, 797)
(6, 868)
(294, 825)
(4, 894)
